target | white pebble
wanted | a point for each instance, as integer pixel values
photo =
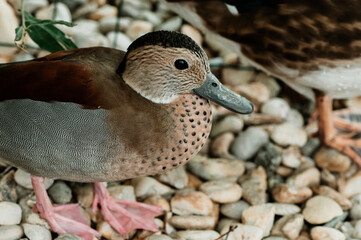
(276, 107)
(36, 232)
(222, 191)
(23, 179)
(10, 213)
(11, 232)
(326, 233)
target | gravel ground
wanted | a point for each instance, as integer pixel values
(260, 176)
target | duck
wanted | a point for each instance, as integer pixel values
(312, 46)
(100, 114)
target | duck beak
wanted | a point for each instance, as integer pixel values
(215, 91)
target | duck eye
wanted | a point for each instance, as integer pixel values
(181, 64)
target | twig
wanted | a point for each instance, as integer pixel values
(231, 229)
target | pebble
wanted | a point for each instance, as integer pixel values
(247, 143)
(333, 194)
(283, 171)
(67, 236)
(8, 22)
(159, 237)
(34, 218)
(242, 232)
(193, 33)
(215, 168)
(357, 231)
(172, 24)
(320, 209)
(159, 201)
(187, 202)
(234, 210)
(295, 118)
(122, 41)
(22, 56)
(107, 231)
(177, 178)
(60, 192)
(326, 233)
(355, 211)
(254, 186)
(108, 24)
(291, 157)
(196, 235)
(283, 209)
(104, 11)
(230, 123)
(36, 232)
(277, 107)
(271, 83)
(290, 194)
(236, 77)
(352, 186)
(125, 192)
(10, 213)
(222, 191)
(286, 134)
(192, 222)
(328, 178)
(256, 92)
(23, 179)
(11, 232)
(151, 17)
(84, 194)
(268, 157)
(138, 28)
(288, 226)
(307, 177)
(332, 160)
(8, 187)
(261, 216)
(32, 5)
(62, 12)
(146, 186)
(221, 144)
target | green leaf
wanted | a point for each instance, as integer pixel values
(19, 33)
(46, 35)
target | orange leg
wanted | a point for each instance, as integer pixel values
(327, 131)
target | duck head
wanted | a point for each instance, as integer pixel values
(162, 65)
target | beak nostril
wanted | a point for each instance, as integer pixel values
(214, 84)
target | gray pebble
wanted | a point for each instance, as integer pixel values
(172, 24)
(247, 143)
(60, 192)
(234, 210)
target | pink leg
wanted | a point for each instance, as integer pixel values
(62, 218)
(124, 216)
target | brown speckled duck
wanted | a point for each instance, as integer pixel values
(313, 46)
(99, 114)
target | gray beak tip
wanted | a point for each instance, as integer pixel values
(215, 91)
